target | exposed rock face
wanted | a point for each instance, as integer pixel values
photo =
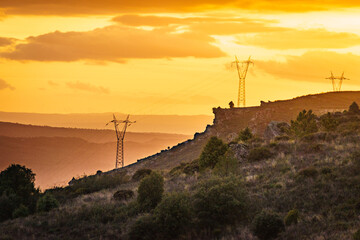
(240, 151)
(275, 129)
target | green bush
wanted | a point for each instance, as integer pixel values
(173, 215)
(214, 149)
(292, 217)
(46, 203)
(259, 153)
(141, 173)
(329, 122)
(226, 165)
(245, 135)
(150, 191)
(304, 124)
(123, 195)
(21, 211)
(145, 228)
(220, 201)
(267, 225)
(356, 235)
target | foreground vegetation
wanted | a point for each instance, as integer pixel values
(303, 184)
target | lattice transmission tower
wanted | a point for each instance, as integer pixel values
(120, 135)
(337, 81)
(242, 71)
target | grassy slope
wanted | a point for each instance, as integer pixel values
(316, 175)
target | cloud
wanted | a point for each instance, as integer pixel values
(314, 66)
(5, 85)
(87, 87)
(296, 39)
(231, 28)
(95, 7)
(157, 21)
(6, 41)
(54, 84)
(113, 43)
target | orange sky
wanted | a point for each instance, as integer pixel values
(170, 57)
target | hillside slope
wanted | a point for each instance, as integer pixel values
(302, 185)
(229, 122)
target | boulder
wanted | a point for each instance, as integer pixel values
(275, 129)
(240, 151)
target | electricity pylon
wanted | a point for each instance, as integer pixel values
(337, 84)
(120, 135)
(242, 71)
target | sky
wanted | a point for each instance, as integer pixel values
(170, 57)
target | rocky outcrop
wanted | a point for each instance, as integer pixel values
(275, 129)
(240, 151)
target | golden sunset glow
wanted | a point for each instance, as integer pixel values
(170, 57)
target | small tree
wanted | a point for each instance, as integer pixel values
(245, 135)
(220, 201)
(354, 108)
(16, 188)
(214, 149)
(329, 122)
(227, 164)
(150, 191)
(173, 214)
(46, 203)
(304, 124)
(267, 225)
(21, 211)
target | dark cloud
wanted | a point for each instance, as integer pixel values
(113, 43)
(88, 7)
(5, 85)
(87, 87)
(6, 41)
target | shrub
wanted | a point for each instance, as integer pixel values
(218, 202)
(308, 172)
(18, 180)
(123, 195)
(8, 203)
(173, 214)
(150, 191)
(356, 235)
(304, 124)
(245, 135)
(259, 153)
(16, 188)
(226, 165)
(21, 211)
(354, 108)
(267, 225)
(145, 228)
(141, 173)
(46, 203)
(214, 149)
(292, 217)
(329, 122)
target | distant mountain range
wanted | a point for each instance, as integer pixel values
(58, 154)
(180, 124)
